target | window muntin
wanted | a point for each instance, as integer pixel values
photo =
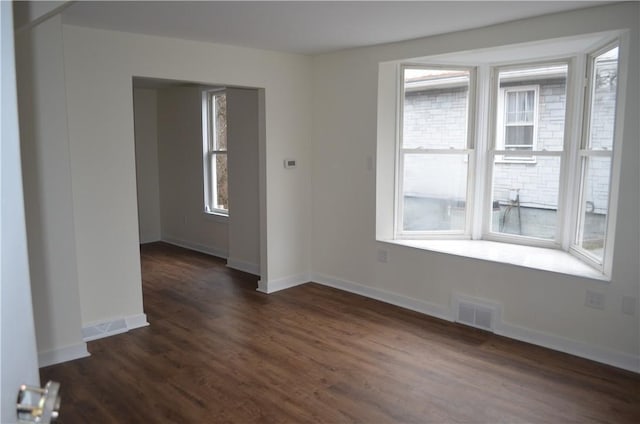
(435, 140)
(596, 155)
(215, 154)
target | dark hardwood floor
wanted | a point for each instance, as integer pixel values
(217, 351)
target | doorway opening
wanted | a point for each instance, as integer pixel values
(171, 145)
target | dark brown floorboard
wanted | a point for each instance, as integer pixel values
(217, 351)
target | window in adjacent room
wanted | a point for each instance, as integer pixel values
(216, 198)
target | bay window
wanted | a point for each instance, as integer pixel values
(517, 153)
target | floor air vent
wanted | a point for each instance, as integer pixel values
(477, 315)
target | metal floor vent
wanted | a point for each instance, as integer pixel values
(476, 315)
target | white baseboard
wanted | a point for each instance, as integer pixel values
(98, 330)
(273, 286)
(572, 347)
(219, 253)
(136, 321)
(150, 240)
(427, 308)
(550, 341)
(63, 354)
(243, 266)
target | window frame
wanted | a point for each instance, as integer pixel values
(400, 153)
(583, 152)
(210, 152)
(495, 155)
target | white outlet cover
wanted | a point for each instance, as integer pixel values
(383, 255)
(629, 305)
(594, 299)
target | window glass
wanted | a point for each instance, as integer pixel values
(220, 120)
(603, 100)
(221, 182)
(595, 201)
(524, 198)
(435, 108)
(434, 192)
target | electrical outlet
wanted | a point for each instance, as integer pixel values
(629, 305)
(594, 299)
(383, 256)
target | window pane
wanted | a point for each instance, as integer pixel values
(525, 197)
(547, 116)
(596, 173)
(220, 142)
(512, 107)
(434, 192)
(520, 106)
(603, 100)
(435, 109)
(221, 198)
(518, 137)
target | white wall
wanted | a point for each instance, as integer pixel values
(244, 208)
(48, 194)
(147, 176)
(99, 66)
(540, 306)
(181, 180)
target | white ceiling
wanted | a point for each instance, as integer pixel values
(305, 27)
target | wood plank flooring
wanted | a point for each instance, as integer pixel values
(217, 351)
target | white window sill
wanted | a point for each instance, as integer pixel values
(524, 256)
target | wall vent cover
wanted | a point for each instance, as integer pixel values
(475, 314)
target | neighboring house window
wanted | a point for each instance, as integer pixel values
(518, 112)
(512, 172)
(216, 199)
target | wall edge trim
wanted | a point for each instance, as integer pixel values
(573, 347)
(62, 354)
(272, 286)
(98, 330)
(405, 302)
(208, 250)
(244, 266)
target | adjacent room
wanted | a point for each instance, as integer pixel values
(325, 211)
